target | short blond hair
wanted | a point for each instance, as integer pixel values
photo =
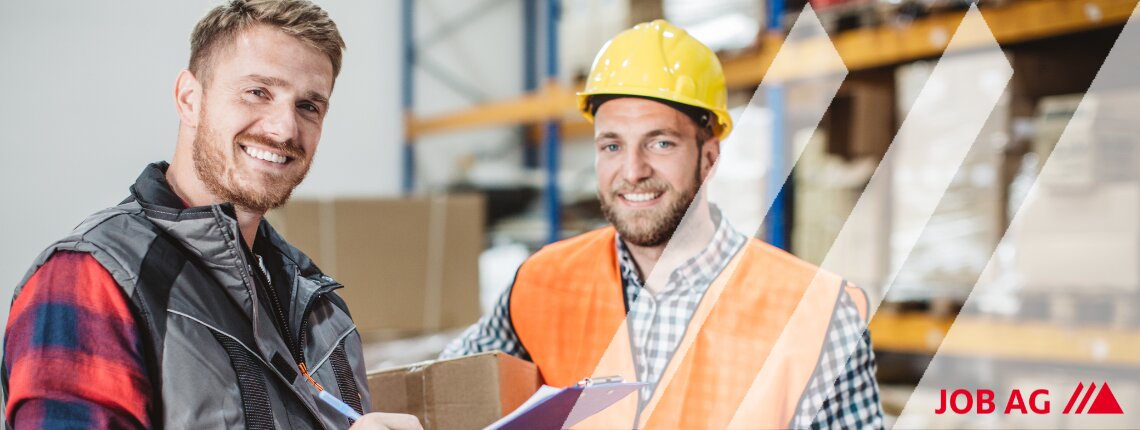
(298, 18)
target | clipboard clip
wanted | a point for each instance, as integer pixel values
(587, 382)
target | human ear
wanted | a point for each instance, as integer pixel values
(710, 152)
(188, 98)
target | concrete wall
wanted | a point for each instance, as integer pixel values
(87, 88)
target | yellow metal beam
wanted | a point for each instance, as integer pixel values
(866, 48)
(860, 49)
(910, 332)
(976, 336)
(571, 128)
(1044, 341)
(553, 101)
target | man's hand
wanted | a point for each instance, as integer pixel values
(383, 421)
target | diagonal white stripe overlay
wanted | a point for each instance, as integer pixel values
(1076, 197)
(949, 112)
(752, 129)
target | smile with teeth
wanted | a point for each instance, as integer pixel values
(262, 154)
(640, 197)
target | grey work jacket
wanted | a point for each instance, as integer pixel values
(214, 354)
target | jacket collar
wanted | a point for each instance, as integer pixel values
(152, 189)
(212, 231)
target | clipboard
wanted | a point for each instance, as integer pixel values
(555, 409)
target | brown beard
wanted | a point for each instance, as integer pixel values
(273, 190)
(654, 228)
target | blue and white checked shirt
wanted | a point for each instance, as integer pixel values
(839, 395)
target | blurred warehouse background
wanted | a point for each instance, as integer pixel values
(453, 150)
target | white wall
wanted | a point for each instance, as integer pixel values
(485, 52)
(87, 103)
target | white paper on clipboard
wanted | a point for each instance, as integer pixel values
(553, 408)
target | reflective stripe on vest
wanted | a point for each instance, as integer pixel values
(734, 367)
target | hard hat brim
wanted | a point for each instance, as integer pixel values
(721, 128)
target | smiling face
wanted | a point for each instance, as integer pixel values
(649, 167)
(262, 108)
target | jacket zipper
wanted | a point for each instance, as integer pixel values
(278, 309)
(297, 349)
(324, 289)
(252, 290)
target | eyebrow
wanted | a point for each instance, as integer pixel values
(663, 132)
(312, 96)
(651, 134)
(606, 135)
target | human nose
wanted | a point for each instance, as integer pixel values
(635, 167)
(281, 123)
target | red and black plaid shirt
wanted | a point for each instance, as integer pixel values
(73, 353)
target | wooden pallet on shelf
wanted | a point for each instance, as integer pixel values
(1082, 308)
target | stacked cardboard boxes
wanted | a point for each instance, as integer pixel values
(409, 265)
(1079, 229)
(831, 176)
(827, 190)
(955, 244)
(463, 393)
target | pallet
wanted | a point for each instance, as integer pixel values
(1118, 309)
(936, 306)
(847, 16)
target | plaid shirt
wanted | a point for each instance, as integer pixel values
(657, 322)
(841, 394)
(72, 352)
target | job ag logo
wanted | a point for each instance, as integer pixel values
(982, 401)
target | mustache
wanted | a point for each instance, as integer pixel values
(648, 185)
(289, 148)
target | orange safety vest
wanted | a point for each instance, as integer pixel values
(732, 369)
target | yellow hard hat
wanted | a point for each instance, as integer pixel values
(659, 60)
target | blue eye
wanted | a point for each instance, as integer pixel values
(610, 147)
(663, 144)
(309, 107)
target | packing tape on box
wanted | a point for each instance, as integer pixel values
(437, 242)
(415, 383)
(326, 227)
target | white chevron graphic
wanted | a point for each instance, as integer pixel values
(938, 132)
(1106, 113)
(949, 113)
(692, 233)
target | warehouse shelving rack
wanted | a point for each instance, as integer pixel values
(551, 109)
(551, 126)
(860, 49)
(553, 104)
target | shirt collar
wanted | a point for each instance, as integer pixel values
(699, 270)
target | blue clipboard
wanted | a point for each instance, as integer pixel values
(555, 409)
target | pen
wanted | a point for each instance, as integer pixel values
(331, 400)
(586, 382)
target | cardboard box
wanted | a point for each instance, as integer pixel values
(1101, 146)
(1082, 263)
(1064, 66)
(409, 265)
(952, 247)
(826, 192)
(861, 122)
(1107, 208)
(462, 393)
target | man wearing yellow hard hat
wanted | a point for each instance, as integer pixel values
(736, 333)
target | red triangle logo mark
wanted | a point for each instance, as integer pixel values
(1105, 402)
